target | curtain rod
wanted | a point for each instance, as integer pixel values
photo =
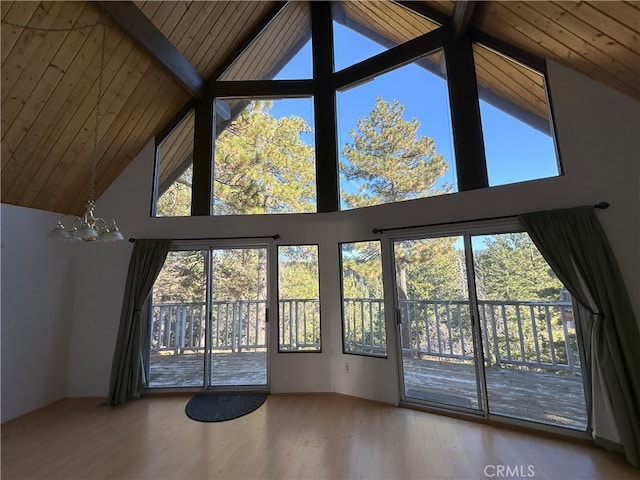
(274, 237)
(601, 205)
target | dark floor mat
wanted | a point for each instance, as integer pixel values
(219, 408)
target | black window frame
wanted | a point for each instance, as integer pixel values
(342, 331)
(471, 167)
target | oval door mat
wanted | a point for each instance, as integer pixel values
(219, 408)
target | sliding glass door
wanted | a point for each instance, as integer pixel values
(238, 302)
(531, 358)
(178, 321)
(485, 325)
(434, 322)
(208, 319)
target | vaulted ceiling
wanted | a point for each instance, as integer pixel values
(50, 78)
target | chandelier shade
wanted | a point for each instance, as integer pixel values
(88, 228)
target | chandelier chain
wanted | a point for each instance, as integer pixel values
(94, 160)
(87, 227)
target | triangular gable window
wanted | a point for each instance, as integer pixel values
(175, 170)
(362, 29)
(282, 50)
(513, 99)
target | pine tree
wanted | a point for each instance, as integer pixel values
(388, 160)
(262, 166)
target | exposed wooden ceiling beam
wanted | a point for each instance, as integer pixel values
(134, 22)
(461, 17)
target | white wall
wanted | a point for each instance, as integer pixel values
(598, 134)
(37, 292)
(99, 288)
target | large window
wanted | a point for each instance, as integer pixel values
(264, 160)
(298, 299)
(395, 137)
(363, 321)
(518, 135)
(382, 92)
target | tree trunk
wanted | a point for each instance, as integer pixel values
(401, 286)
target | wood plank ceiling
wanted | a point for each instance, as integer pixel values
(50, 79)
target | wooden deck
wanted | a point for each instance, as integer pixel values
(556, 399)
(227, 369)
(553, 398)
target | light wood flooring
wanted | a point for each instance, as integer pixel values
(305, 437)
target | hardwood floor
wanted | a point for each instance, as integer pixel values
(313, 436)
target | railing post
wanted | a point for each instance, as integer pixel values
(183, 328)
(535, 333)
(447, 307)
(552, 347)
(437, 320)
(523, 354)
(496, 347)
(241, 305)
(191, 326)
(416, 320)
(461, 328)
(427, 326)
(233, 328)
(293, 338)
(507, 340)
(567, 342)
(203, 327)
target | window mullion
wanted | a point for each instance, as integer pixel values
(324, 107)
(468, 142)
(202, 190)
(478, 350)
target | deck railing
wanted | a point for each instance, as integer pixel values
(299, 327)
(180, 327)
(364, 326)
(530, 334)
(515, 333)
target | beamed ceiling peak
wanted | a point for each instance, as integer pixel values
(160, 56)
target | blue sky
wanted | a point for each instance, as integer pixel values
(515, 152)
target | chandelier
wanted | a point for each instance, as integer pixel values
(88, 227)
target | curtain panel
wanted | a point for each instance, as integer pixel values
(127, 371)
(576, 247)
